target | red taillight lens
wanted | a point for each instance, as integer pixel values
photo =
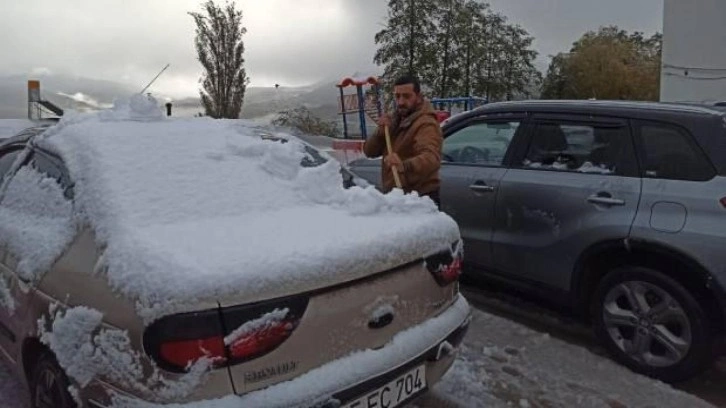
(185, 352)
(228, 335)
(451, 272)
(723, 202)
(446, 266)
(174, 342)
(257, 329)
(262, 340)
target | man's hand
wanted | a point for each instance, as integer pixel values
(384, 120)
(394, 162)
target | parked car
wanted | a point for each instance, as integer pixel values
(616, 210)
(146, 259)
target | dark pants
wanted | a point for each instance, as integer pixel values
(434, 195)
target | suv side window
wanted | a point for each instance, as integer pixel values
(670, 152)
(480, 143)
(582, 147)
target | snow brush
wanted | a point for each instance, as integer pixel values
(374, 114)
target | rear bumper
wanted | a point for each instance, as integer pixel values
(437, 359)
(345, 379)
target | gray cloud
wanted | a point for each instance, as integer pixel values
(291, 42)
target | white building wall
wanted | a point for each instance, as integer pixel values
(694, 51)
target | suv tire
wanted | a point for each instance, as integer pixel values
(651, 323)
(49, 384)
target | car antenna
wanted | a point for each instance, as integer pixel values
(157, 76)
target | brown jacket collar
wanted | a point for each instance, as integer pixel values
(424, 109)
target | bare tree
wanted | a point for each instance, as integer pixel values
(219, 49)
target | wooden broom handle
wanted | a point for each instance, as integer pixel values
(396, 177)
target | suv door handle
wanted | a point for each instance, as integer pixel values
(605, 199)
(481, 187)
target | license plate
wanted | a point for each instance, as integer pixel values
(395, 393)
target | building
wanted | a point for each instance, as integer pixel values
(694, 51)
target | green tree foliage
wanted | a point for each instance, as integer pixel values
(406, 44)
(457, 48)
(607, 64)
(219, 48)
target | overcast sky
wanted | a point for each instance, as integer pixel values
(291, 42)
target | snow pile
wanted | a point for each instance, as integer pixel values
(586, 167)
(86, 351)
(138, 107)
(307, 389)
(6, 297)
(266, 321)
(36, 221)
(206, 209)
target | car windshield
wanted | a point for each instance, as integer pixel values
(312, 158)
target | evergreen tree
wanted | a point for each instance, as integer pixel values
(457, 48)
(406, 43)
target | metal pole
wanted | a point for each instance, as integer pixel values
(152, 81)
(344, 113)
(361, 111)
(379, 105)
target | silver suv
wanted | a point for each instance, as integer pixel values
(614, 209)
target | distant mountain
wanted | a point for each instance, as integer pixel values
(90, 94)
(68, 92)
(322, 99)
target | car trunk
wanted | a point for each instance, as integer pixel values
(339, 320)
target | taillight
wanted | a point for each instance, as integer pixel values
(260, 336)
(184, 352)
(226, 336)
(256, 329)
(446, 266)
(723, 201)
(175, 342)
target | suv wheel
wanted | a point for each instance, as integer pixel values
(49, 384)
(651, 323)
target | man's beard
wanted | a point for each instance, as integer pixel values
(405, 112)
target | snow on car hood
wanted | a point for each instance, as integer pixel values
(199, 208)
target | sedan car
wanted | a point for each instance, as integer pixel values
(614, 210)
(148, 260)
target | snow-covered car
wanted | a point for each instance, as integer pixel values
(148, 260)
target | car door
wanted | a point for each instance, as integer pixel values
(12, 291)
(473, 162)
(576, 184)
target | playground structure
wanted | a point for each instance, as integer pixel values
(367, 103)
(360, 103)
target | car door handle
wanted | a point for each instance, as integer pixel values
(481, 187)
(605, 200)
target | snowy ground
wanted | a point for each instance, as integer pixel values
(506, 364)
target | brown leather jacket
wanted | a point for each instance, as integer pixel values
(417, 140)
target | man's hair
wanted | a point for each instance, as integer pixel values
(409, 79)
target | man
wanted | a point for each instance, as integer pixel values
(416, 141)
